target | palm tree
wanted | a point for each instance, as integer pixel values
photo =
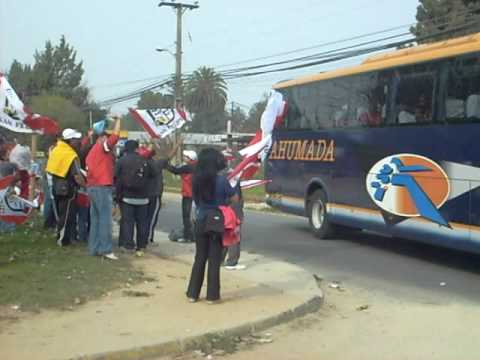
(205, 91)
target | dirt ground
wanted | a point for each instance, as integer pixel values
(355, 325)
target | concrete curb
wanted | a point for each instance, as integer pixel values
(206, 340)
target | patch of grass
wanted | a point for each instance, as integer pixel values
(35, 273)
(256, 194)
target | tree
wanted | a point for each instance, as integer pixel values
(238, 117)
(254, 115)
(209, 122)
(129, 123)
(152, 100)
(62, 110)
(205, 97)
(21, 78)
(56, 71)
(205, 90)
(447, 18)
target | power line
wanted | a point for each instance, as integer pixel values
(326, 57)
(129, 82)
(335, 42)
(340, 56)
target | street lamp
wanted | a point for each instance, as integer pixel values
(165, 50)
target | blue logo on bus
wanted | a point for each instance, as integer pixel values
(409, 185)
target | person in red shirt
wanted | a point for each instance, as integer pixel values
(186, 173)
(100, 164)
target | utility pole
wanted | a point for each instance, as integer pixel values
(180, 9)
(229, 128)
(178, 96)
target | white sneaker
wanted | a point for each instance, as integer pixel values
(235, 267)
(110, 256)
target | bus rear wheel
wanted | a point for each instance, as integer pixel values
(317, 214)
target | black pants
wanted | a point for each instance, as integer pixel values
(50, 221)
(154, 207)
(66, 221)
(187, 220)
(133, 216)
(208, 248)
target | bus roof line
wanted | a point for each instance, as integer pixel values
(417, 54)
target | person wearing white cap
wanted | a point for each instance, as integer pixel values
(64, 168)
(186, 173)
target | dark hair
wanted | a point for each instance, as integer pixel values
(131, 146)
(210, 162)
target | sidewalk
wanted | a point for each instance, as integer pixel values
(154, 318)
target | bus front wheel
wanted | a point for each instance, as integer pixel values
(317, 214)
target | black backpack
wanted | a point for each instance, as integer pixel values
(134, 174)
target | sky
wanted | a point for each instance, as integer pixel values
(117, 39)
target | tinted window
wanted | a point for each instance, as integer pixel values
(462, 93)
(412, 90)
(337, 103)
(311, 106)
(390, 97)
(367, 100)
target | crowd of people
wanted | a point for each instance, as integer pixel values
(86, 178)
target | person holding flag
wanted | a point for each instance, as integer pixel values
(100, 164)
(186, 173)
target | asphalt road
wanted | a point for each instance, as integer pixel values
(394, 267)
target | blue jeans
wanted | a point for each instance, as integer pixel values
(100, 237)
(6, 227)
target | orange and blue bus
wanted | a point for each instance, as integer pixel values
(391, 145)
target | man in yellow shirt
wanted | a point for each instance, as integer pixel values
(64, 169)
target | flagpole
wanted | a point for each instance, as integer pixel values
(31, 191)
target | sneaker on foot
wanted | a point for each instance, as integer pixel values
(235, 267)
(110, 256)
(213, 302)
(139, 253)
(125, 250)
(192, 300)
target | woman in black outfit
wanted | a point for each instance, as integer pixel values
(210, 190)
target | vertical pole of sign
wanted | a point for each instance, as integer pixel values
(178, 101)
(31, 183)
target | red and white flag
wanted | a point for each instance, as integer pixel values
(159, 123)
(257, 150)
(13, 208)
(248, 184)
(16, 117)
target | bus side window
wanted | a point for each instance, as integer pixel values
(368, 100)
(412, 89)
(462, 101)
